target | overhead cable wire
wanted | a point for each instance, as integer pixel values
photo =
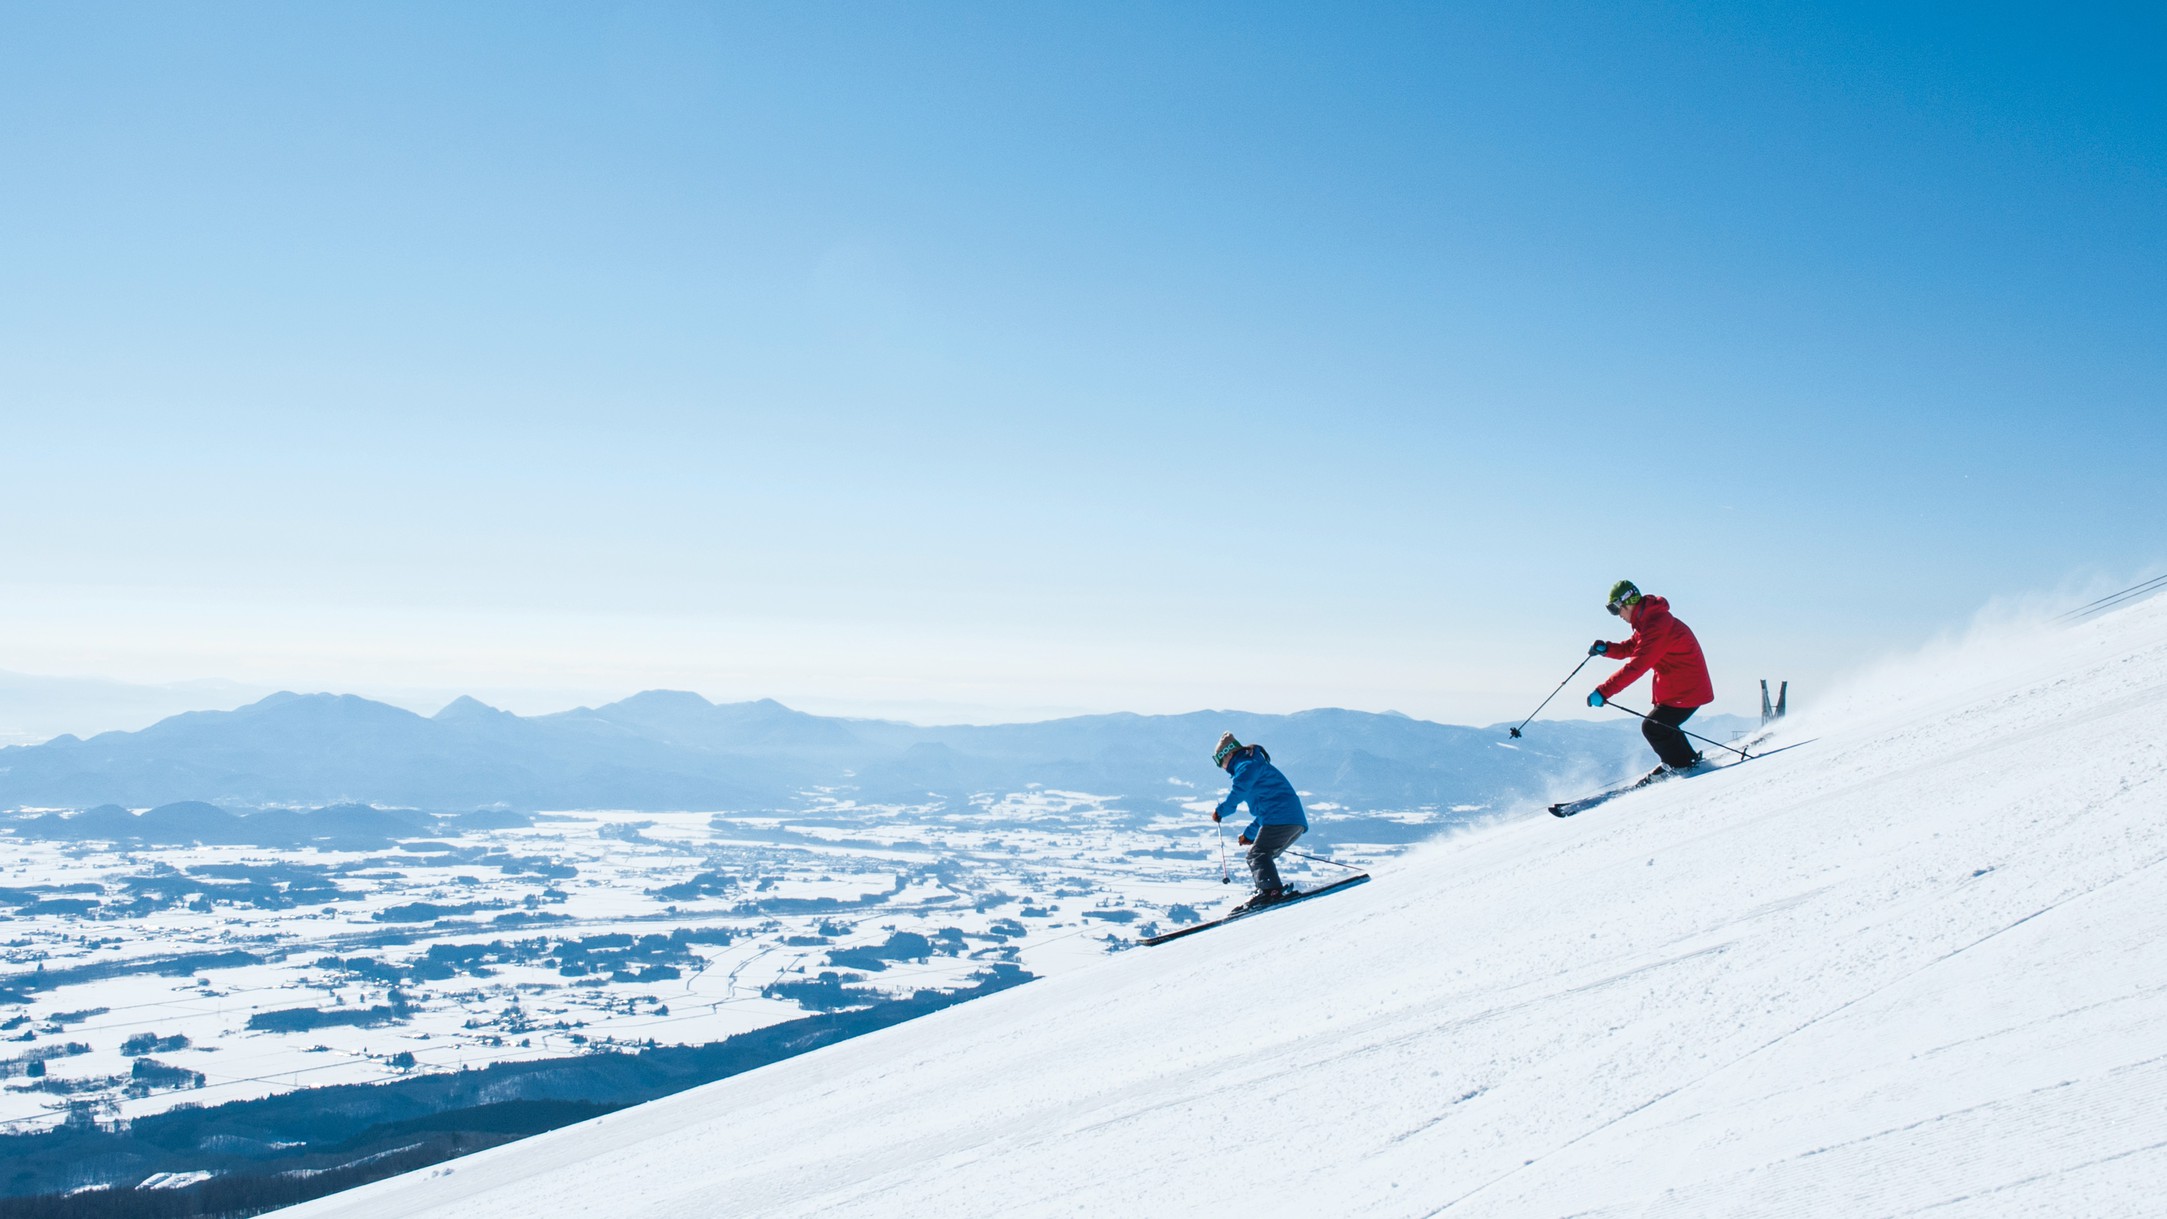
(2133, 593)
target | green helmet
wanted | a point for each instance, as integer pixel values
(1621, 594)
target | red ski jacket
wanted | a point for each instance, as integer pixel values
(1662, 643)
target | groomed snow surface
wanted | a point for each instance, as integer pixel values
(1916, 965)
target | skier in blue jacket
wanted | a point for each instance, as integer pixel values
(1275, 812)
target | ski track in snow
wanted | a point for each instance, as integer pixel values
(1917, 967)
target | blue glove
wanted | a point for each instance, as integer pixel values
(1598, 648)
(1595, 698)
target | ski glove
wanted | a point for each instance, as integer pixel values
(1244, 840)
(1215, 814)
(1598, 648)
(1595, 698)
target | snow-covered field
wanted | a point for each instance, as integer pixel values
(136, 978)
(1915, 966)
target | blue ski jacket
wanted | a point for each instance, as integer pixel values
(1270, 797)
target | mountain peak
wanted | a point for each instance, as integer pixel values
(467, 707)
(660, 700)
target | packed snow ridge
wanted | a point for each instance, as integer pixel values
(1915, 965)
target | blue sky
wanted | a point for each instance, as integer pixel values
(992, 361)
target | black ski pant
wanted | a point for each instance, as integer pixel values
(1263, 854)
(1661, 729)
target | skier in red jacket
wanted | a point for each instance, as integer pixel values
(1662, 643)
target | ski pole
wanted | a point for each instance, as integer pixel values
(1321, 859)
(1226, 874)
(1515, 733)
(1675, 728)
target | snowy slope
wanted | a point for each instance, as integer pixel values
(1917, 965)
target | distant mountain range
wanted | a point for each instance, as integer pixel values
(35, 708)
(666, 749)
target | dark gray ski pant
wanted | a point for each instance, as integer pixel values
(1271, 840)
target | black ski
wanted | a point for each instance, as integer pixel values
(1658, 775)
(1566, 808)
(1303, 896)
(1569, 807)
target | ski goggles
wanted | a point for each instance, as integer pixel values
(1618, 606)
(1221, 754)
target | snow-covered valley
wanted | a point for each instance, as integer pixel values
(136, 978)
(1910, 966)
